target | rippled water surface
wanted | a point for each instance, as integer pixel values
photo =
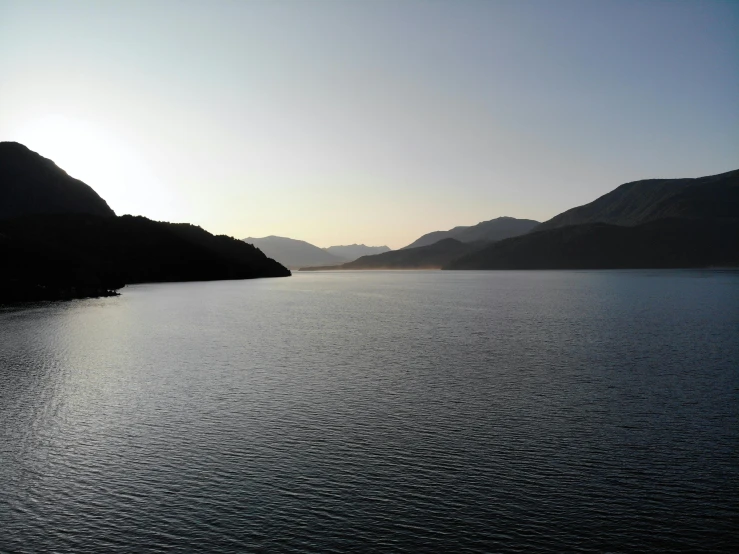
(379, 411)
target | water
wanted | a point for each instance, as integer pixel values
(381, 411)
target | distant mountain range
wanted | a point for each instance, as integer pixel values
(638, 202)
(432, 256)
(495, 229)
(294, 253)
(662, 243)
(351, 252)
(436, 249)
(59, 239)
(656, 223)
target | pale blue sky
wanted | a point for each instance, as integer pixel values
(369, 121)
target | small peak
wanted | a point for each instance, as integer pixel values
(14, 145)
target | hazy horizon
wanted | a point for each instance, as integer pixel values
(369, 122)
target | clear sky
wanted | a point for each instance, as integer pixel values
(369, 121)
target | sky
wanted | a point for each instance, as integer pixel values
(369, 121)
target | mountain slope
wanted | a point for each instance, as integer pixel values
(435, 236)
(32, 184)
(496, 229)
(433, 256)
(56, 256)
(492, 230)
(293, 253)
(351, 252)
(642, 201)
(59, 239)
(644, 224)
(663, 243)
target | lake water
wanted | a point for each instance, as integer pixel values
(562, 411)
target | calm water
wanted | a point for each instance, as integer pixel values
(382, 411)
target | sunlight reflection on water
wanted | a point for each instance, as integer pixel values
(402, 411)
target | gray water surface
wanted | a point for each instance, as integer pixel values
(563, 411)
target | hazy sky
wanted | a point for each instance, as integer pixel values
(369, 121)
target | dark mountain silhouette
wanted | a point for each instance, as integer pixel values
(433, 256)
(293, 253)
(642, 201)
(492, 230)
(32, 184)
(351, 252)
(60, 256)
(59, 239)
(661, 223)
(437, 249)
(435, 236)
(663, 243)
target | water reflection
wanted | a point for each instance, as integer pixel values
(461, 411)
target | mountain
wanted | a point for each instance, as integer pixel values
(663, 243)
(495, 229)
(57, 256)
(59, 239)
(433, 256)
(434, 250)
(435, 236)
(642, 201)
(293, 253)
(351, 252)
(32, 184)
(657, 223)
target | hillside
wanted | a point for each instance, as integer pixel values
(663, 243)
(642, 201)
(293, 253)
(433, 256)
(58, 256)
(435, 236)
(59, 239)
(492, 230)
(32, 184)
(351, 252)
(644, 224)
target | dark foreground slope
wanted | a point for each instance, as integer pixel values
(433, 256)
(716, 196)
(59, 239)
(66, 256)
(32, 184)
(492, 230)
(664, 243)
